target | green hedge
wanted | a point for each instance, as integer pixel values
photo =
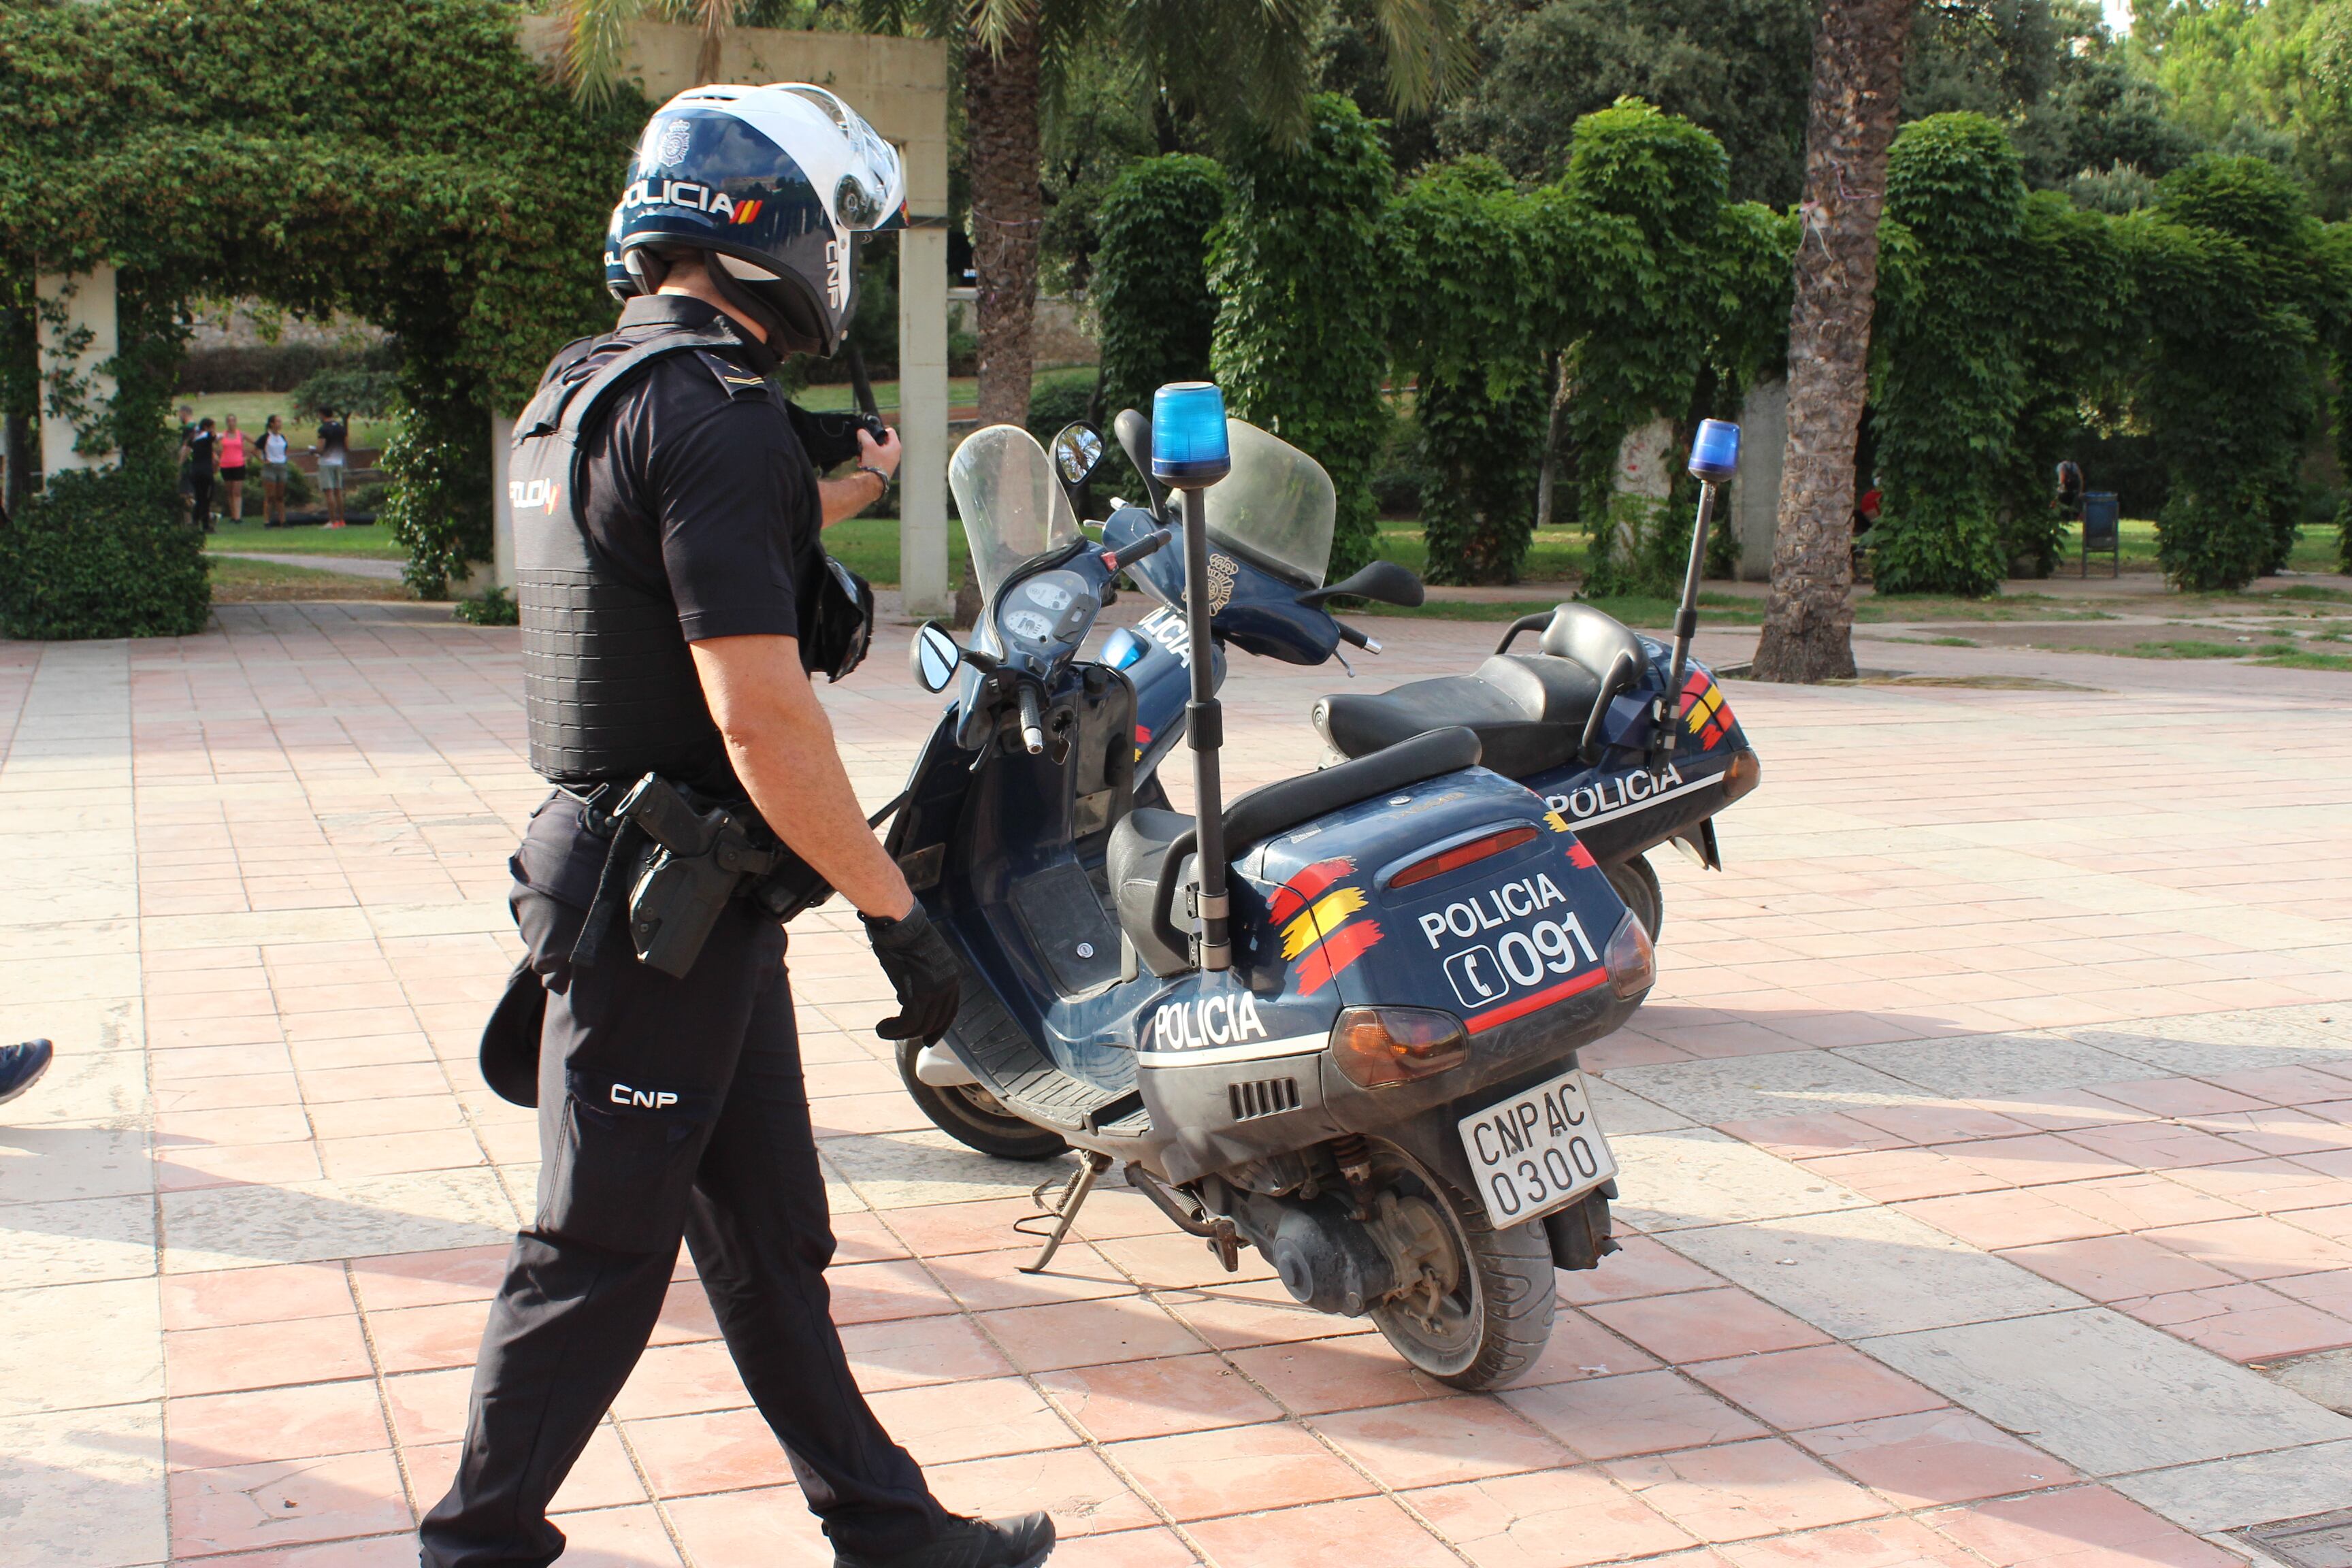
(102, 553)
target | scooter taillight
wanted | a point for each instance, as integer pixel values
(1632, 962)
(1462, 854)
(1742, 776)
(1380, 1045)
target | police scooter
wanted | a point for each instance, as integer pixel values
(1582, 721)
(1336, 1018)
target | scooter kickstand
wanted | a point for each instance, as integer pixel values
(1066, 1212)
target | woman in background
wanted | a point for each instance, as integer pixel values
(335, 451)
(203, 448)
(273, 473)
(232, 472)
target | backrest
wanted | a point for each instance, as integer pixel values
(1590, 637)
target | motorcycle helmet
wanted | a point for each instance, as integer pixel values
(775, 183)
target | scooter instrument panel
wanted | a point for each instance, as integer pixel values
(1050, 608)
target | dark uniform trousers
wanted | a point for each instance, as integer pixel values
(667, 1106)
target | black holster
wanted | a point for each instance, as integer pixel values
(679, 866)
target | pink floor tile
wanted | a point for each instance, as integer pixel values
(941, 1230)
(1255, 1313)
(428, 1407)
(1170, 1260)
(1329, 1535)
(2142, 1202)
(1462, 1438)
(225, 1297)
(1935, 1457)
(942, 1423)
(716, 1451)
(2157, 1145)
(2177, 1097)
(601, 1478)
(264, 1355)
(1950, 1123)
(220, 1431)
(1310, 1377)
(424, 1338)
(2255, 1249)
(1808, 1137)
(616, 1538)
(1873, 1544)
(1817, 1387)
(1201, 1475)
(2013, 1217)
(1642, 1413)
(187, 1167)
(905, 1351)
(1743, 1489)
(2111, 1268)
(1893, 1176)
(681, 1380)
(991, 1281)
(1127, 1549)
(380, 1552)
(766, 1527)
(2243, 1322)
(1152, 1398)
(286, 1502)
(1706, 1325)
(1554, 1519)
(875, 1293)
(1082, 1494)
(1086, 1333)
(429, 1278)
(2047, 1527)
(1639, 1267)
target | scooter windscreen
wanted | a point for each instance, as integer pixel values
(1012, 505)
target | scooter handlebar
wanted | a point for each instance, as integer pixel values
(1355, 638)
(1033, 724)
(1118, 561)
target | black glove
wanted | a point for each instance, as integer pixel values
(923, 971)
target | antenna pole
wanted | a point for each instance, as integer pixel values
(1205, 732)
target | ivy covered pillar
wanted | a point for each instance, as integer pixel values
(79, 338)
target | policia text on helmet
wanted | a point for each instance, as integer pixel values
(675, 597)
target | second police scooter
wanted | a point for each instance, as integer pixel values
(1578, 720)
(1336, 1019)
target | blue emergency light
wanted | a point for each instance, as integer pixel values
(1715, 451)
(1188, 435)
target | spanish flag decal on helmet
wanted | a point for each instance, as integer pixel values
(1320, 931)
(1710, 716)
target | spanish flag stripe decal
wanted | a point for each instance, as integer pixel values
(1340, 950)
(1319, 922)
(1304, 888)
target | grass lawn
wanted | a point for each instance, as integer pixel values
(1715, 609)
(253, 410)
(2315, 551)
(237, 581)
(372, 541)
(1554, 554)
(1940, 607)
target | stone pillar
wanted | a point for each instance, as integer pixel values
(923, 587)
(503, 543)
(1756, 493)
(1644, 472)
(78, 335)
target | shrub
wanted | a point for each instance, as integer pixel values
(102, 553)
(1151, 284)
(1300, 347)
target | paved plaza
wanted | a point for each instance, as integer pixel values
(1987, 1146)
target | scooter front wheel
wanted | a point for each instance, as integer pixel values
(975, 1118)
(1484, 1312)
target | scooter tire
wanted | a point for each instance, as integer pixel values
(1636, 882)
(1511, 1301)
(974, 1117)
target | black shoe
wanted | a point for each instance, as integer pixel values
(21, 1067)
(1022, 1543)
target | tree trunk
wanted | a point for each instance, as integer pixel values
(1857, 88)
(999, 100)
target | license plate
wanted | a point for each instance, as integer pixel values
(1537, 1152)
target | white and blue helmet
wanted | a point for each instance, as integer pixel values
(777, 182)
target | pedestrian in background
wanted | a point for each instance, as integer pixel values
(187, 430)
(233, 455)
(204, 449)
(273, 473)
(334, 452)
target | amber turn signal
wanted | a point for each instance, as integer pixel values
(1380, 1045)
(1631, 962)
(1746, 771)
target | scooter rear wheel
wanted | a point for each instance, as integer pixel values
(975, 1118)
(1636, 882)
(1494, 1321)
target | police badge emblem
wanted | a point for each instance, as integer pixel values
(671, 138)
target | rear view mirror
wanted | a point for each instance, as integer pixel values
(1134, 433)
(1077, 453)
(933, 657)
(1382, 582)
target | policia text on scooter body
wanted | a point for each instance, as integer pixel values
(1336, 1018)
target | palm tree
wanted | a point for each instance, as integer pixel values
(1857, 88)
(598, 31)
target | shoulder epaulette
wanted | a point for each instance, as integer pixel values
(733, 379)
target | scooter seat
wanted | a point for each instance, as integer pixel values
(1526, 710)
(1135, 859)
(1150, 847)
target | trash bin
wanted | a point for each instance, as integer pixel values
(2102, 529)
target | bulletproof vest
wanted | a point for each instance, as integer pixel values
(609, 687)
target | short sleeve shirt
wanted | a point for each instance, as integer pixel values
(331, 437)
(695, 487)
(199, 451)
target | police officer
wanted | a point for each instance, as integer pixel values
(666, 521)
